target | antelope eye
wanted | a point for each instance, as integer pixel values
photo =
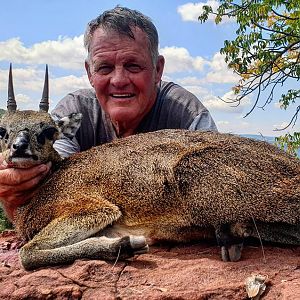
(48, 133)
(3, 133)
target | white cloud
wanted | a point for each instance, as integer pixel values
(178, 59)
(281, 126)
(21, 98)
(33, 80)
(277, 105)
(226, 103)
(222, 123)
(65, 52)
(29, 82)
(224, 76)
(236, 126)
(191, 11)
(207, 95)
(67, 84)
(220, 73)
(200, 92)
(167, 78)
(27, 78)
(190, 81)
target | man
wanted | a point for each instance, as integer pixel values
(128, 97)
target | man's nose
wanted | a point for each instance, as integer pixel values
(120, 78)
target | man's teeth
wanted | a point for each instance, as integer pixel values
(122, 95)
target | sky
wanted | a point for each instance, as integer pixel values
(34, 33)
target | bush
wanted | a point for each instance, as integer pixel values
(4, 223)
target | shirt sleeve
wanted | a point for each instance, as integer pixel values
(66, 147)
(182, 109)
(203, 121)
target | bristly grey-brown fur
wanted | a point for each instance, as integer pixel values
(170, 185)
(35, 124)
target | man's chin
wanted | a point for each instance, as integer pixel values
(124, 115)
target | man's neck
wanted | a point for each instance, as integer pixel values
(123, 129)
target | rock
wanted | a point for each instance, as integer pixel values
(166, 272)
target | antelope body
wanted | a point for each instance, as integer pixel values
(113, 200)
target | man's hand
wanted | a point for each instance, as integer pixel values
(17, 186)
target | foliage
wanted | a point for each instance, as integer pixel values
(2, 111)
(289, 143)
(265, 53)
(4, 223)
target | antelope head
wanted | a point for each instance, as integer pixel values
(27, 137)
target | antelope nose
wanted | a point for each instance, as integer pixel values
(21, 142)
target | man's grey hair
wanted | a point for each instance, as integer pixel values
(123, 20)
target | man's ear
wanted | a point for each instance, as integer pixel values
(159, 68)
(69, 125)
(88, 72)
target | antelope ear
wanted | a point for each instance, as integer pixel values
(69, 125)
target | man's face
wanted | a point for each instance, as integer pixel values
(123, 75)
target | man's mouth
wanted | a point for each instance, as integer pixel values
(122, 96)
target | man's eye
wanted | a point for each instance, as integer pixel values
(134, 68)
(104, 70)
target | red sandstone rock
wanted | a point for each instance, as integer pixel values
(177, 272)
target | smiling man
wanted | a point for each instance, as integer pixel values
(124, 76)
(127, 97)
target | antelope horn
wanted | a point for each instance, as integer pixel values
(44, 104)
(11, 101)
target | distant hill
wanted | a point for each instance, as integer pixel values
(269, 139)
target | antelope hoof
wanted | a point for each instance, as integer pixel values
(138, 244)
(232, 252)
(128, 246)
(231, 244)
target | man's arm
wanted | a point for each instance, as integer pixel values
(66, 147)
(204, 122)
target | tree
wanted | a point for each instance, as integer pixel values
(265, 53)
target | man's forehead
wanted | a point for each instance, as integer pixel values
(109, 36)
(105, 45)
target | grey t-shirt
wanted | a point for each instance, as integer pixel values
(175, 107)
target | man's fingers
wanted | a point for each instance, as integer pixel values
(2, 166)
(13, 177)
(7, 190)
